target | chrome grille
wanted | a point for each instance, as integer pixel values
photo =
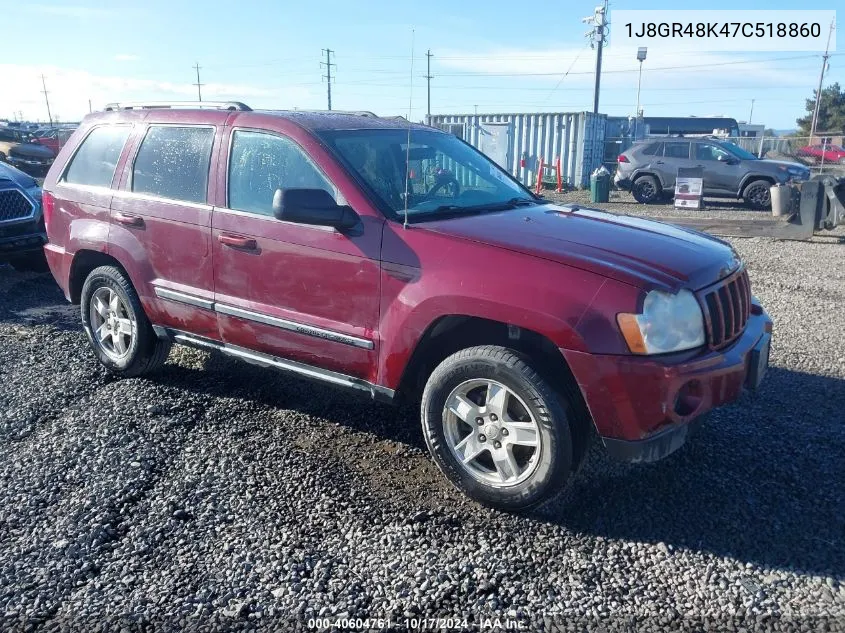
(14, 205)
(727, 306)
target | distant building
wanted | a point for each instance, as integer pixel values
(749, 130)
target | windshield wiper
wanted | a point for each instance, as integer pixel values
(513, 203)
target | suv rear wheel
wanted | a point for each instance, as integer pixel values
(757, 194)
(118, 330)
(497, 429)
(646, 190)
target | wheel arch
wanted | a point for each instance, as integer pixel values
(84, 261)
(451, 333)
(748, 179)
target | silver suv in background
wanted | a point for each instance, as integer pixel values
(648, 170)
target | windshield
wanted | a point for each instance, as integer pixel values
(737, 151)
(444, 175)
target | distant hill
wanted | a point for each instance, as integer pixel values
(785, 132)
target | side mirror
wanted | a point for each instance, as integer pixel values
(312, 206)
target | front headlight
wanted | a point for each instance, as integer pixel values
(668, 323)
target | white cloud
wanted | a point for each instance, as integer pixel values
(70, 90)
(125, 57)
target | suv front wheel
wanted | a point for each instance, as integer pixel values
(758, 195)
(118, 330)
(497, 429)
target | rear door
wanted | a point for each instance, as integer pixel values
(162, 221)
(676, 154)
(304, 293)
(719, 175)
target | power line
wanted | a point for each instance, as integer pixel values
(198, 84)
(328, 76)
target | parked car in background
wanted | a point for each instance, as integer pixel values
(52, 138)
(648, 170)
(17, 149)
(824, 153)
(22, 233)
(396, 260)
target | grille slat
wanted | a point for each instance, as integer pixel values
(728, 307)
(14, 205)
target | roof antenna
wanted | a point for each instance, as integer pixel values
(408, 147)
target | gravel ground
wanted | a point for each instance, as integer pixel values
(221, 496)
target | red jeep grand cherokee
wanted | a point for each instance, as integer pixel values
(395, 259)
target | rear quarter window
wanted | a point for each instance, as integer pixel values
(94, 162)
(173, 163)
(655, 149)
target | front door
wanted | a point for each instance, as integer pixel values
(303, 293)
(721, 171)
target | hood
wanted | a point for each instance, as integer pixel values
(16, 177)
(31, 150)
(783, 163)
(640, 252)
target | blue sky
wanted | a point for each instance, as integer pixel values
(267, 54)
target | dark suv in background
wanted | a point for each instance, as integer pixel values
(22, 233)
(648, 170)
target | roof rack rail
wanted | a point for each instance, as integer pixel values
(149, 105)
(365, 113)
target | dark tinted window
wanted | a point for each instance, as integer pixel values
(260, 164)
(173, 163)
(710, 152)
(655, 149)
(96, 159)
(677, 150)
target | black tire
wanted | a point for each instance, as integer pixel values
(647, 190)
(553, 464)
(757, 195)
(146, 352)
(34, 262)
(2, 157)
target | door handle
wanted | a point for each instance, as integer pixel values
(237, 241)
(128, 220)
(660, 162)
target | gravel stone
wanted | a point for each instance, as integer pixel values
(220, 496)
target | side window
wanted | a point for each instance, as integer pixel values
(260, 163)
(655, 149)
(709, 152)
(173, 163)
(677, 150)
(96, 159)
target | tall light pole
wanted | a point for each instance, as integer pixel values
(642, 51)
(821, 80)
(598, 39)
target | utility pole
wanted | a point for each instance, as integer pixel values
(751, 114)
(428, 79)
(597, 37)
(198, 84)
(821, 79)
(46, 99)
(328, 76)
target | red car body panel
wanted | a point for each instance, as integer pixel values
(559, 272)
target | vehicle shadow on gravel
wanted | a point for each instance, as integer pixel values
(762, 481)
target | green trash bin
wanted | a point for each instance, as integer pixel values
(600, 185)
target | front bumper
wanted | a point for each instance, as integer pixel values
(21, 237)
(643, 406)
(28, 161)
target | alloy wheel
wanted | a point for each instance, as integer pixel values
(112, 324)
(491, 433)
